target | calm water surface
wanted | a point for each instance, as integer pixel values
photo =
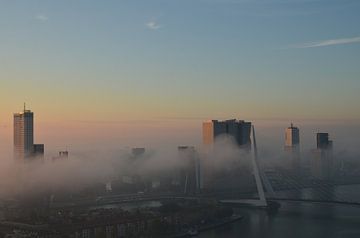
(293, 219)
(300, 219)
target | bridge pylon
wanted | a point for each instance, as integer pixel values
(260, 180)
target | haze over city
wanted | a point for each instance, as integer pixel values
(206, 108)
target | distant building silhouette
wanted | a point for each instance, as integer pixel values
(238, 129)
(292, 147)
(322, 164)
(136, 152)
(62, 156)
(322, 141)
(38, 150)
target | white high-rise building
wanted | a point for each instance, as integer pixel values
(23, 134)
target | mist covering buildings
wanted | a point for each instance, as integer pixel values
(239, 130)
(323, 164)
(226, 163)
(220, 164)
(292, 148)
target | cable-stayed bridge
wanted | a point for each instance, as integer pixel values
(278, 184)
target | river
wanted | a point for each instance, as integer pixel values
(293, 219)
(299, 219)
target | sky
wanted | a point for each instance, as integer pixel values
(126, 70)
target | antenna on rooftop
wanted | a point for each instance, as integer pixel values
(24, 106)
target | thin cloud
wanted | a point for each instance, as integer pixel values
(41, 18)
(340, 41)
(153, 25)
(269, 1)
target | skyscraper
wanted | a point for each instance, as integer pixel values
(322, 164)
(322, 141)
(292, 147)
(24, 147)
(23, 134)
(239, 130)
(292, 137)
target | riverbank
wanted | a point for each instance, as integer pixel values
(293, 219)
(207, 227)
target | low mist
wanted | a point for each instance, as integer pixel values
(100, 162)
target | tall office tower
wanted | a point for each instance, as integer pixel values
(23, 134)
(322, 141)
(322, 164)
(239, 130)
(292, 147)
(292, 137)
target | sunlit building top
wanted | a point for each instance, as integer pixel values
(238, 129)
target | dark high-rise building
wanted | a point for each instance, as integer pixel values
(238, 129)
(322, 141)
(38, 150)
(322, 164)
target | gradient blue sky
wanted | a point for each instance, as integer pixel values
(191, 58)
(107, 61)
